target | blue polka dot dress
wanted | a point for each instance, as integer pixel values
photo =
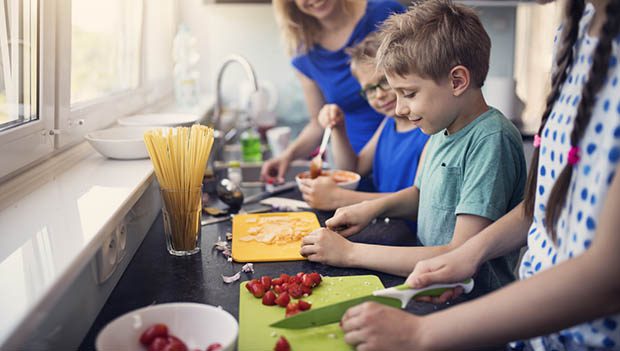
(590, 182)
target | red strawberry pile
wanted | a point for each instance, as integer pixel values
(279, 291)
(157, 338)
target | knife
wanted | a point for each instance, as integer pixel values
(397, 296)
(207, 221)
(270, 190)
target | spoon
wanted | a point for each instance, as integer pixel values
(230, 193)
(316, 165)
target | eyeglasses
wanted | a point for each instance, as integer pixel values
(370, 92)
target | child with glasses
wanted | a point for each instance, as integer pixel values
(392, 154)
(473, 170)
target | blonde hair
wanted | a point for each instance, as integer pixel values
(364, 52)
(299, 30)
(432, 38)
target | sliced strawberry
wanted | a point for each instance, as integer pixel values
(276, 281)
(266, 281)
(316, 277)
(269, 299)
(152, 332)
(304, 305)
(306, 290)
(283, 299)
(291, 309)
(175, 344)
(295, 291)
(258, 290)
(308, 281)
(294, 280)
(284, 277)
(158, 344)
(216, 346)
(282, 345)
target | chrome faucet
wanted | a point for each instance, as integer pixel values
(217, 114)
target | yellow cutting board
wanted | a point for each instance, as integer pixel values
(254, 251)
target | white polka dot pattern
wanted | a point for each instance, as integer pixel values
(591, 178)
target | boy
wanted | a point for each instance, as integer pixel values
(392, 154)
(436, 58)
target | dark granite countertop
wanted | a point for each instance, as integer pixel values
(154, 276)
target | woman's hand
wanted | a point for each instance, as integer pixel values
(327, 247)
(321, 193)
(275, 169)
(452, 267)
(373, 327)
(331, 116)
(352, 219)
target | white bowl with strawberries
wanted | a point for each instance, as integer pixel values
(171, 326)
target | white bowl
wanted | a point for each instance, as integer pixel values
(125, 143)
(197, 325)
(353, 179)
(159, 119)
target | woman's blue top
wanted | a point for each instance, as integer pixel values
(330, 70)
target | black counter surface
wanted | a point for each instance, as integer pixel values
(154, 276)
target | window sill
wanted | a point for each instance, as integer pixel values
(51, 234)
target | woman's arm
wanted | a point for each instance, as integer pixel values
(308, 139)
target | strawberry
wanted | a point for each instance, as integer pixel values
(304, 305)
(282, 345)
(269, 299)
(283, 299)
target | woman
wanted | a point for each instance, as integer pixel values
(317, 32)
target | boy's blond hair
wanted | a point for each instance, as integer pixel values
(299, 30)
(433, 37)
(364, 52)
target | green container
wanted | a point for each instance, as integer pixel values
(251, 147)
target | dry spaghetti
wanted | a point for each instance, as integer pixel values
(179, 156)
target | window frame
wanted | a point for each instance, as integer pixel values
(61, 125)
(23, 144)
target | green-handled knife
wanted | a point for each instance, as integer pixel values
(397, 296)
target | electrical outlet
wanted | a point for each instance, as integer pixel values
(121, 240)
(106, 258)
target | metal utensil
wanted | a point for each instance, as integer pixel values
(230, 193)
(397, 296)
(316, 165)
(212, 220)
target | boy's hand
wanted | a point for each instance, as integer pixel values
(321, 193)
(331, 116)
(372, 326)
(327, 247)
(352, 219)
(451, 267)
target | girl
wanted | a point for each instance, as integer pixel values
(317, 33)
(569, 296)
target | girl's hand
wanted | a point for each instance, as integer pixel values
(352, 219)
(454, 266)
(331, 116)
(327, 247)
(321, 193)
(372, 327)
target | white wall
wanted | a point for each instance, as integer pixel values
(251, 31)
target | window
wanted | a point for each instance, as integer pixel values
(105, 47)
(19, 61)
(73, 66)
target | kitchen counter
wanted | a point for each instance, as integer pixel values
(155, 277)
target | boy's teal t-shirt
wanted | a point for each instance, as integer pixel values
(479, 170)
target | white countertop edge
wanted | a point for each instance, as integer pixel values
(33, 314)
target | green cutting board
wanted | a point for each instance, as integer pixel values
(255, 318)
